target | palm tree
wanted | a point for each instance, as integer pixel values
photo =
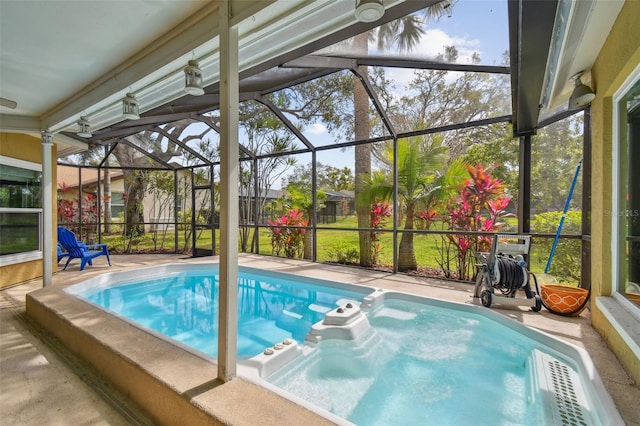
(419, 162)
(404, 35)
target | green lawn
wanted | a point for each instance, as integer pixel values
(329, 242)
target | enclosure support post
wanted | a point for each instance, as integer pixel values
(396, 207)
(524, 186)
(314, 206)
(194, 225)
(99, 197)
(257, 215)
(47, 209)
(176, 209)
(229, 208)
(212, 209)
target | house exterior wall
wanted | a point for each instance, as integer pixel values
(618, 58)
(27, 148)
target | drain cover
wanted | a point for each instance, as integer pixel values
(560, 388)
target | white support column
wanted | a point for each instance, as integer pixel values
(229, 208)
(47, 209)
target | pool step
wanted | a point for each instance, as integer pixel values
(345, 322)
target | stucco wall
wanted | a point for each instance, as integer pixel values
(619, 56)
(27, 148)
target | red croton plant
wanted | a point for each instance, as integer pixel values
(479, 207)
(73, 212)
(285, 236)
(380, 212)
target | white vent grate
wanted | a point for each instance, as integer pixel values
(562, 392)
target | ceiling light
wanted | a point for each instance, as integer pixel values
(582, 94)
(130, 107)
(84, 128)
(193, 79)
(369, 10)
(8, 103)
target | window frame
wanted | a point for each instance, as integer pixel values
(618, 222)
(10, 259)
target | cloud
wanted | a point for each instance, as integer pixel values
(434, 41)
(316, 129)
(432, 44)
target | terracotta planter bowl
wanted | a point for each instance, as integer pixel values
(560, 299)
(634, 297)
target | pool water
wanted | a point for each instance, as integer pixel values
(184, 307)
(421, 364)
(417, 361)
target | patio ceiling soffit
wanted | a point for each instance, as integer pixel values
(205, 103)
(291, 73)
(261, 44)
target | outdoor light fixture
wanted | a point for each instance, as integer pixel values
(84, 128)
(193, 79)
(582, 94)
(130, 107)
(369, 10)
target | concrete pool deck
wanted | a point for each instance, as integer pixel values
(41, 382)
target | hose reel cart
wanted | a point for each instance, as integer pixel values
(503, 272)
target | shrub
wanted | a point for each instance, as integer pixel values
(565, 265)
(285, 236)
(380, 212)
(480, 207)
(344, 253)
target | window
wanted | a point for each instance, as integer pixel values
(20, 210)
(626, 202)
(117, 204)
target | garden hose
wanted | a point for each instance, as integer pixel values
(564, 314)
(512, 276)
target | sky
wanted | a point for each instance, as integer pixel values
(475, 26)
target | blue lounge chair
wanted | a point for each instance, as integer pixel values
(79, 250)
(61, 254)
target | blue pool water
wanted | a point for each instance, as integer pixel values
(417, 361)
(421, 364)
(183, 306)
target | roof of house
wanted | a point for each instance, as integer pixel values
(70, 176)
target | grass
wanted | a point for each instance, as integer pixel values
(329, 242)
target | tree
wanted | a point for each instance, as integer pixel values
(106, 192)
(334, 178)
(135, 167)
(265, 134)
(555, 152)
(436, 98)
(502, 153)
(402, 34)
(419, 160)
(299, 197)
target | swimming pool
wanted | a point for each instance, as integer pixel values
(416, 358)
(182, 305)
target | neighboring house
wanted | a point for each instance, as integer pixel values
(158, 208)
(72, 180)
(337, 204)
